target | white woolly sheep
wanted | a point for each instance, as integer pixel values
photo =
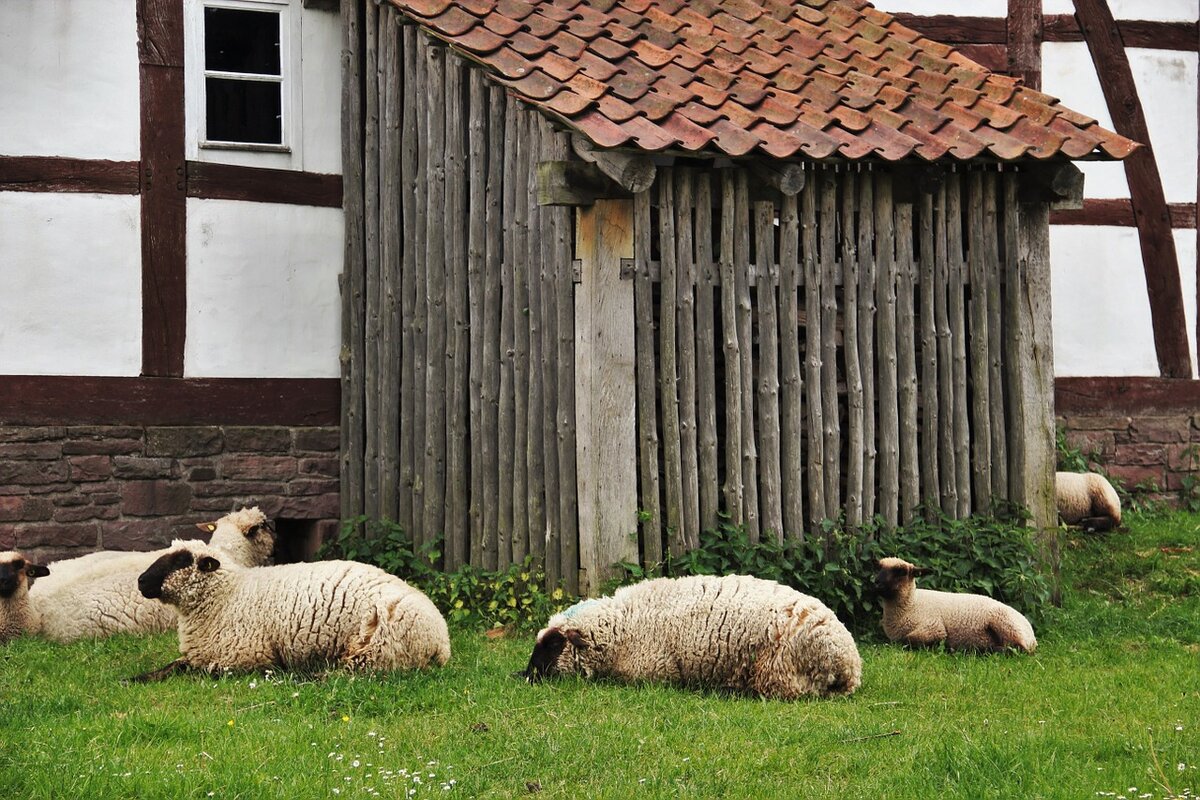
(16, 573)
(96, 595)
(292, 616)
(735, 633)
(963, 621)
(1087, 499)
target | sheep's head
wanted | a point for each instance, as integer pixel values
(831, 657)
(177, 575)
(246, 535)
(17, 572)
(556, 652)
(895, 574)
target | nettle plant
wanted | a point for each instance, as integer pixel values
(469, 596)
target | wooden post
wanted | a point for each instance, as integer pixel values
(768, 372)
(706, 381)
(417, 245)
(408, 285)
(553, 146)
(906, 329)
(371, 196)
(647, 384)
(832, 468)
(958, 339)
(930, 430)
(457, 357)
(391, 239)
(866, 334)
(668, 378)
(791, 456)
(947, 451)
(734, 499)
(993, 270)
(492, 355)
(685, 325)
(812, 356)
(564, 291)
(478, 234)
(854, 383)
(885, 303)
(741, 267)
(434, 517)
(605, 394)
(981, 436)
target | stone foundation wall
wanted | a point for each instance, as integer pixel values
(68, 490)
(1150, 450)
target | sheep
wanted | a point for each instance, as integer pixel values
(963, 621)
(293, 616)
(1087, 499)
(96, 595)
(16, 574)
(735, 633)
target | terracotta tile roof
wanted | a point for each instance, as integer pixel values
(786, 78)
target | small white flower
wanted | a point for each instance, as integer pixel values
(337, 790)
(253, 684)
(1178, 728)
(372, 734)
(354, 763)
(1181, 766)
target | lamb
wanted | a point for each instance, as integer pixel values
(1087, 499)
(294, 616)
(735, 633)
(16, 574)
(962, 621)
(96, 595)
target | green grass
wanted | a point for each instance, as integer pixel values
(1110, 701)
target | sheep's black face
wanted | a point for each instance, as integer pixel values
(889, 580)
(150, 582)
(10, 577)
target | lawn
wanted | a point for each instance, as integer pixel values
(1109, 706)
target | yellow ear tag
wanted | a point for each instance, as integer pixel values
(211, 527)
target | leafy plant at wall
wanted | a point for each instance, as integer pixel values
(468, 596)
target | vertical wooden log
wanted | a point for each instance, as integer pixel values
(1015, 337)
(981, 436)
(433, 520)
(888, 388)
(685, 327)
(947, 452)
(520, 303)
(866, 334)
(906, 329)
(418, 239)
(992, 270)
(832, 433)
(741, 264)
(408, 285)
(553, 148)
(565, 328)
(390, 251)
(668, 379)
(734, 495)
(854, 385)
(791, 455)
(930, 419)
(535, 456)
(605, 393)
(353, 266)
(372, 289)
(647, 383)
(706, 381)
(771, 500)
(457, 356)
(506, 436)
(958, 337)
(477, 233)
(817, 509)
(492, 303)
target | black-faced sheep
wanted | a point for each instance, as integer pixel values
(96, 595)
(1087, 499)
(735, 633)
(16, 573)
(293, 616)
(963, 621)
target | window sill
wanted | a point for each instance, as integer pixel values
(246, 146)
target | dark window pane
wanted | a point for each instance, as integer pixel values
(241, 41)
(243, 111)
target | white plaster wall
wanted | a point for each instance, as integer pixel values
(1168, 10)
(975, 8)
(70, 284)
(69, 78)
(262, 290)
(321, 61)
(1101, 310)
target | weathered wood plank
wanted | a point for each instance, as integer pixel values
(548, 244)
(565, 328)
(506, 437)
(351, 281)
(977, 317)
(418, 238)
(535, 454)
(887, 394)
(906, 329)
(647, 384)
(832, 433)
(741, 264)
(457, 355)
(792, 424)
(731, 349)
(685, 327)
(771, 499)
(520, 300)
(947, 451)
(668, 378)
(958, 338)
(493, 302)
(706, 388)
(1015, 337)
(854, 385)
(408, 284)
(372, 284)
(390, 255)
(817, 509)
(992, 271)
(930, 418)
(477, 236)
(866, 334)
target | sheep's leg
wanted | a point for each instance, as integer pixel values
(928, 634)
(1097, 524)
(178, 665)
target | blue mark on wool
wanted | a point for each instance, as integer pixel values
(574, 610)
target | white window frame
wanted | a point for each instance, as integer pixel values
(287, 154)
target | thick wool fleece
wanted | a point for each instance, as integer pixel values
(1087, 499)
(16, 617)
(963, 621)
(736, 633)
(96, 595)
(298, 615)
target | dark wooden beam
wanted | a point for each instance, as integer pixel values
(575, 183)
(1159, 260)
(232, 182)
(164, 225)
(56, 174)
(58, 400)
(955, 29)
(962, 30)
(1024, 37)
(1125, 396)
(1119, 213)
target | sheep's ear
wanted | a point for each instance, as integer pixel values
(208, 564)
(577, 640)
(36, 571)
(207, 527)
(920, 570)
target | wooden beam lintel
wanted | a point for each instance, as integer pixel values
(575, 183)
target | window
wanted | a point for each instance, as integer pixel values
(243, 76)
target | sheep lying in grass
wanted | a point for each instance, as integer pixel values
(16, 573)
(963, 621)
(96, 595)
(292, 616)
(737, 633)
(1087, 499)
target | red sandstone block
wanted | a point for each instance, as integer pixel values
(307, 487)
(1140, 455)
(16, 508)
(329, 467)
(180, 442)
(155, 498)
(257, 467)
(90, 468)
(32, 473)
(81, 513)
(1092, 442)
(258, 440)
(1081, 422)
(17, 433)
(31, 451)
(8, 537)
(1133, 474)
(101, 432)
(139, 467)
(238, 488)
(111, 447)
(106, 498)
(1161, 429)
(320, 439)
(137, 534)
(48, 534)
(321, 506)
(198, 474)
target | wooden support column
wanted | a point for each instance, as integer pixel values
(605, 392)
